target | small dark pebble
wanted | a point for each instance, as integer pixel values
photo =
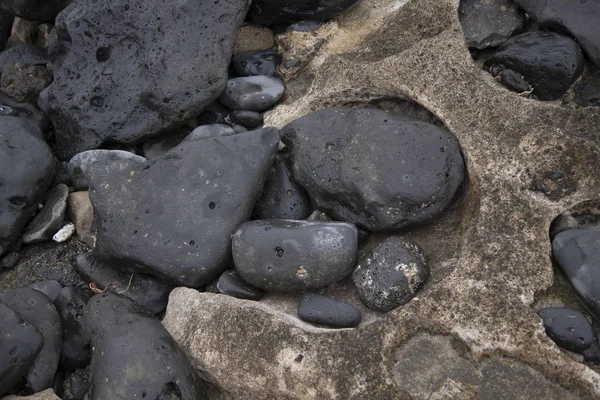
(324, 310)
(231, 284)
(569, 328)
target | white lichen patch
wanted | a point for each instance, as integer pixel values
(411, 272)
(301, 272)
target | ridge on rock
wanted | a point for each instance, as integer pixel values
(173, 216)
(127, 70)
(377, 170)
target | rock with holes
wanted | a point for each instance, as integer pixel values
(391, 274)
(70, 304)
(252, 63)
(50, 219)
(76, 384)
(580, 19)
(134, 357)
(82, 163)
(569, 328)
(577, 252)
(210, 187)
(282, 198)
(290, 255)
(126, 71)
(252, 93)
(548, 61)
(26, 168)
(269, 12)
(149, 292)
(326, 311)
(20, 343)
(37, 309)
(489, 23)
(35, 10)
(375, 169)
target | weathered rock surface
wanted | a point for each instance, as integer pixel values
(548, 61)
(488, 253)
(231, 284)
(251, 63)
(489, 23)
(23, 83)
(269, 12)
(289, 255)
(133, 356)
(217, 182)
(43, 395)
(374, 169)
(149, 292)
(76, 384)
(21, 342)
(37, 309)
(80, 166)
(50, 219)
(6, 21)
(49, 287)
(578, 19)
(26, 168)
(253, 37)
(135, 74)
(35, 10)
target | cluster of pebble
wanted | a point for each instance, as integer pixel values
(576, 250)
(536, 47)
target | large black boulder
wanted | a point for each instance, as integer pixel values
(269, 12)
(26, 168)
(70, 304)
(126, 70)
(173, 217)
(378, 170)
(133, 355)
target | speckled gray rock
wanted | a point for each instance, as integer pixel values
(81, 164)
(24, 54)
(209, 131)
(580, 19)
(19, 345)
(269, 12)
(231, 284)
(569, 328)
(23, 82)
(548, 61)
(216, 182)
(373, 168)
(248, 119)
(577, 252)
(70, 304)
(282, 198)
(327, 311)
(123, 75)
(76, 384)
(253, 93)
(26, 169)
(252, 63)
(50, 219)
(49, 287)
(149, 292)
(35, 10)
(488, 23)
(289, 255)
(38, 310)
(391, 274)
(133, 356)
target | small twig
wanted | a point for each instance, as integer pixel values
(97, 290)
(128, 285)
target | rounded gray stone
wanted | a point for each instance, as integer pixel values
(80, 165)
(50, 219)
(252, 93)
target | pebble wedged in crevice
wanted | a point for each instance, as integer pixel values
(375, 169)
(70, 304)
(173, 217)
(268, 12)
(324, 310)
(81, 164)
(577, 252)
(149, 292)
(125, 73)
(579, 18)
(391, 274)
(248, 119)
(38, 310)
(209, 131)
(252, 93)
(282, 198)
(252, 63)
(289, 255)
(21, 343)
(49, 287)
(26, 168)
(134, 357)
(50, 219)
(569, 328)
(548, 61)
(159, 145)
(231, 284)
(489, 23)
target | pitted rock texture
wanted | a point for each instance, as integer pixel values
(490, 251)
(125, 71)
(184, 239)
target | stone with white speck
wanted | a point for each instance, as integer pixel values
(64, 233)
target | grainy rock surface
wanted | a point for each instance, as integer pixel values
(495, 253)
(23, 82)
(489, 23)
(140, 70)
(217, 182)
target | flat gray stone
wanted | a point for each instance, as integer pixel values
(50, 219)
